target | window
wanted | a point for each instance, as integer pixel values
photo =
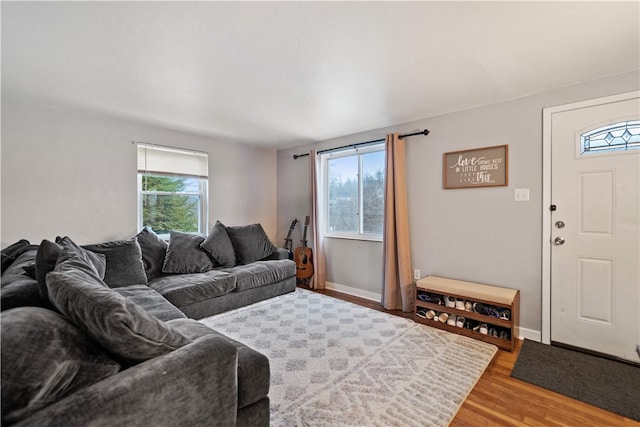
(615, 137)
(172, 189)
(354, 192)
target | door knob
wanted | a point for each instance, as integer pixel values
(558, 241)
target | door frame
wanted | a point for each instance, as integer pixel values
(547, 114)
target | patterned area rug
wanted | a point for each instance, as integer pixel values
(334, 363)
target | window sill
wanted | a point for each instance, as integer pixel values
(364, 237)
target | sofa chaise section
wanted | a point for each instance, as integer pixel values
(191, 386)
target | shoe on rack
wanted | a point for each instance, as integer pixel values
(471, 324)
(468, 306)
(449, 301)
(505, 314)
(485, 309)
(431, 314)
(422, 313)
(429, 298)
(459, 303)
(443, 317)
(460, 322)
(482, 328)
(504, 334)
(493, 332)
(452, 320)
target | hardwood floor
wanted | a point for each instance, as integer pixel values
(499, 400)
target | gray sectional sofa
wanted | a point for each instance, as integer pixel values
(106, 334)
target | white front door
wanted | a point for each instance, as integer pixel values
(594, 227)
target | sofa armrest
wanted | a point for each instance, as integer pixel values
(191, 386)
(279, 253)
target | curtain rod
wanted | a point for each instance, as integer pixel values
(423, 132)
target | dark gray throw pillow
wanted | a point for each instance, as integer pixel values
(120, 326)
(219, 246)
(44, 358)
(154, 251)
(47, 257)
(250, 243)
(124, 262)
(185, 254)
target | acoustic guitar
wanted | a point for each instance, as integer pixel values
(303, 256)
(288, 243)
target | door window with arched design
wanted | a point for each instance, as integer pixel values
(614, 137)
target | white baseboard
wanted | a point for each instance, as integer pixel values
(372, 296)
(530, 334)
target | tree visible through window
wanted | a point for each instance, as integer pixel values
(355, 192)
(171, 203)
(172, 189)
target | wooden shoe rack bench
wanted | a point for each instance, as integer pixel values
(472, 292)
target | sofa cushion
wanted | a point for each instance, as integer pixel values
(48, 254)
(119, 325)
(219, 246)
(250, 243)
(185, 289)
(11, 252)
(185, 254)
(262, 273)
(154, 250)
(124, 262)
(23, 263)
(44, 358)
(253, 367)
(19, 290)
(151, 301)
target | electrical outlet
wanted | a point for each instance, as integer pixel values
(416, 274)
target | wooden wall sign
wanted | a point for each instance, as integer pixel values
(480, 167)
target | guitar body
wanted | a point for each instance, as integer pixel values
(303, 256)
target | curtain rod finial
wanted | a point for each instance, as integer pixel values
(426, 132)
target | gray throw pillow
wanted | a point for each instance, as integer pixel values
(219, 246)
(154, 251)
(250, 243)
(124, 262)
(185, 254)
(120, 326)
(47, 257)
(44, 358)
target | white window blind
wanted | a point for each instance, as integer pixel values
(159, 160)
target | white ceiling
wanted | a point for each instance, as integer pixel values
(285, 73)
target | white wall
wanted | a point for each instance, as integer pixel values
(73, 173)
(479, 235)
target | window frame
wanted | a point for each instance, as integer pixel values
(324, 164)
(203, 185)
(202, 193)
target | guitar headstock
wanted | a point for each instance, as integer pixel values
(293, 224)
(306, 221)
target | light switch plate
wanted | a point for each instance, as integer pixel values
(521, 194)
